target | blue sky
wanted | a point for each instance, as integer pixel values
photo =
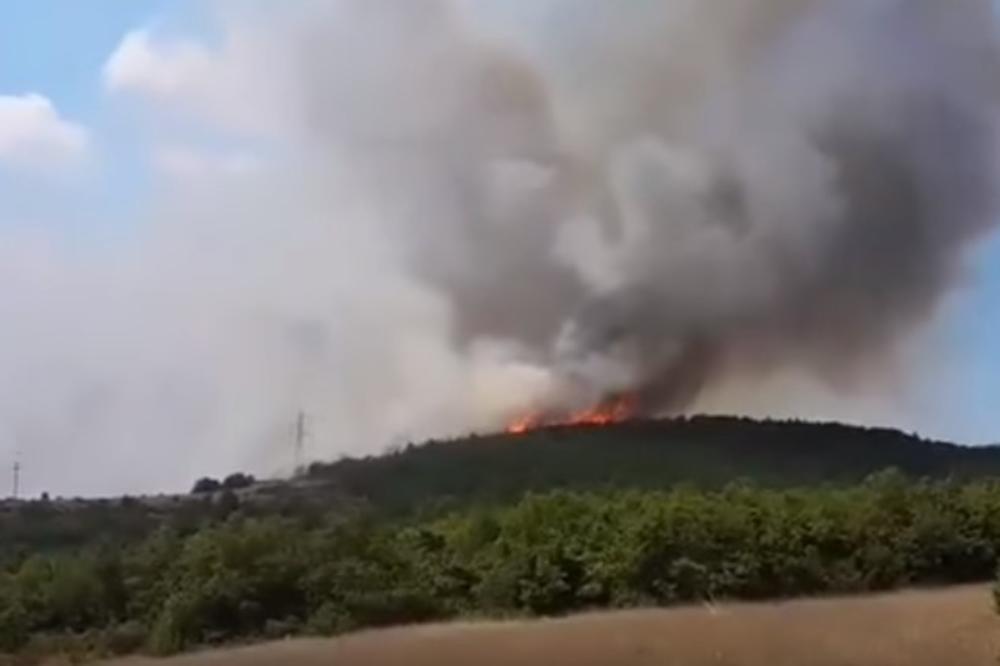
(110, 145)
(965, 402)
(57, 49)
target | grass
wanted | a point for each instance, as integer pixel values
(920, 628)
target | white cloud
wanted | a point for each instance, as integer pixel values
(236, 86)
(159, 70)
(32, 134)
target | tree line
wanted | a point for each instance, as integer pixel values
(250, 577)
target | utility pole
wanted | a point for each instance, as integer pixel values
(300, 440)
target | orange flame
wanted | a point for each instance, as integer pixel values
(525, 424)
(606, 413)
(615, 411)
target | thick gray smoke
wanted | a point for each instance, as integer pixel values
(438, 216)
(676, 191)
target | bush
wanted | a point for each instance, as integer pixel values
(330, 619)
(125, 638)
(205, 486)
(14, 627)
(996, 594)
(238, 481)
(280, 629)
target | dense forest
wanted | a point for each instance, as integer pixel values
(549, 522)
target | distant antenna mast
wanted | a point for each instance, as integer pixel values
(300, 439)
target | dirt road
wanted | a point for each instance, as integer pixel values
(937, 628)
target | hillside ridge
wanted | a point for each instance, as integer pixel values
(654, 453)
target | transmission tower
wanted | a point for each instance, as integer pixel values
(300, 441)
(16, 490)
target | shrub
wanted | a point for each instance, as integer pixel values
(125, 638)
(996, 594)
(14, 629)
(238, 481)
(205, 486)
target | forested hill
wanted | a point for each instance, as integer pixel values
(705, 451)
(708, 452)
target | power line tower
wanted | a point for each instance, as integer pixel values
(300, 441)
(16, 490)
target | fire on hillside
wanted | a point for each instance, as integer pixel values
(607, 412)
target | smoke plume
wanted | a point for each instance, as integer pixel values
(682, 190)
(459, 219)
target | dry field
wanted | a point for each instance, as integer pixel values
(955, 627)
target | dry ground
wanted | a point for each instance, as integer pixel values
(955, 627)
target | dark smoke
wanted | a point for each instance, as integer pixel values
(695, 188)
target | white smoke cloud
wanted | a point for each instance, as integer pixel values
(196, 163)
